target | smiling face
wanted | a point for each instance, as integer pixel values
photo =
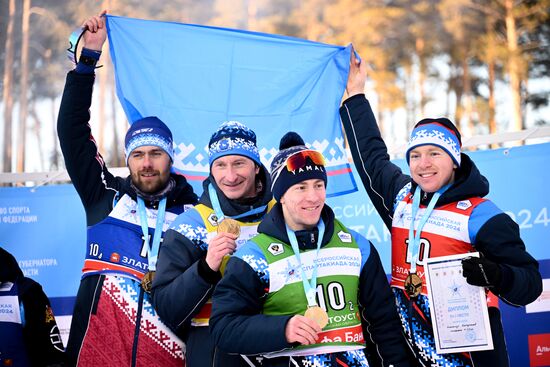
(431, 167)
(302, 204)
(149, 168)
(235, 175)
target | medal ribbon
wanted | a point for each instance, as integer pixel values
(152, 250)
(414, 237)
(310, 287)
(218, 209)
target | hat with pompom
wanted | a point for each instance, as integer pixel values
(295, 163)
(233, 138)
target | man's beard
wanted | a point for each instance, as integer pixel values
(149, 186)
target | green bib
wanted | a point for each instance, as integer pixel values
(338, 269)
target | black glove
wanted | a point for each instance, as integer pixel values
(481, 272)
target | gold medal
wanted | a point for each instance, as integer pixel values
(318, 315)
(147, 281)
(229, 225)
(413, 285)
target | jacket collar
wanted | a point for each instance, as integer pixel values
(178, 192)
(273, 225)
(234, 207)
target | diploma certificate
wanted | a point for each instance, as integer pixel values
(460, 318)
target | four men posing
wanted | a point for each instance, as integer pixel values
(283, 299)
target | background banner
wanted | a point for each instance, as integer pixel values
(196, 77)
(44, 228)
(518, 177)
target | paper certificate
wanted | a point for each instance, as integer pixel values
(460, 318)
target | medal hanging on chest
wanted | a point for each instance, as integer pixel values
(413, 282)
(413, 285)
(152, 249)
(147, 281)
(313, 311)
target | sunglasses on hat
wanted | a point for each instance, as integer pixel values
(299, 160)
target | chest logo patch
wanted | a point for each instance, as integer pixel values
(463, 205)
(344, 237)
(213, 219)
(276, 248)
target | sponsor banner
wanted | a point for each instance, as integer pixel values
(541, 304)
(45, 229)
(352, 334)
(539, 350)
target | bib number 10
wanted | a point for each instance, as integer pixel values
(423, 251)
(333, 293)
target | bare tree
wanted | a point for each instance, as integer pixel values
(7, 98)
(23, 102)
(513, 66)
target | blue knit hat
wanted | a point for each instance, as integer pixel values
(233, 138)
(281, 178)
(440, 132)
(149, 131)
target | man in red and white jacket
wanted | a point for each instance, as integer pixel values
(438, 169)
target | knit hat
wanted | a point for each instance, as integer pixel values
(440, 132)
(149, 131)
(233, 138)
(295, 163)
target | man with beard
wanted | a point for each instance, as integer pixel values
(236, 197)
(114, 322)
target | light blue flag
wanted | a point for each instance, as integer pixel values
(196, 77)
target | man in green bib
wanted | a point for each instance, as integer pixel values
(306, 291)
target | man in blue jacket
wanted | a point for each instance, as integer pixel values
(305, 290)
(113, 321)
(236, 197)
(446, 184)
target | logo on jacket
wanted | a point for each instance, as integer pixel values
(463, 205)
(49, 315)
(276, 248)
(144, 130)
(344, 237)
(213, 219)
(55, 338)
(115, 258)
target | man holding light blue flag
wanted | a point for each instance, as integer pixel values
(113, 322)
(193, 77)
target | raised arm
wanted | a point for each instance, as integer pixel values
(83, 161)
(381, 178)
